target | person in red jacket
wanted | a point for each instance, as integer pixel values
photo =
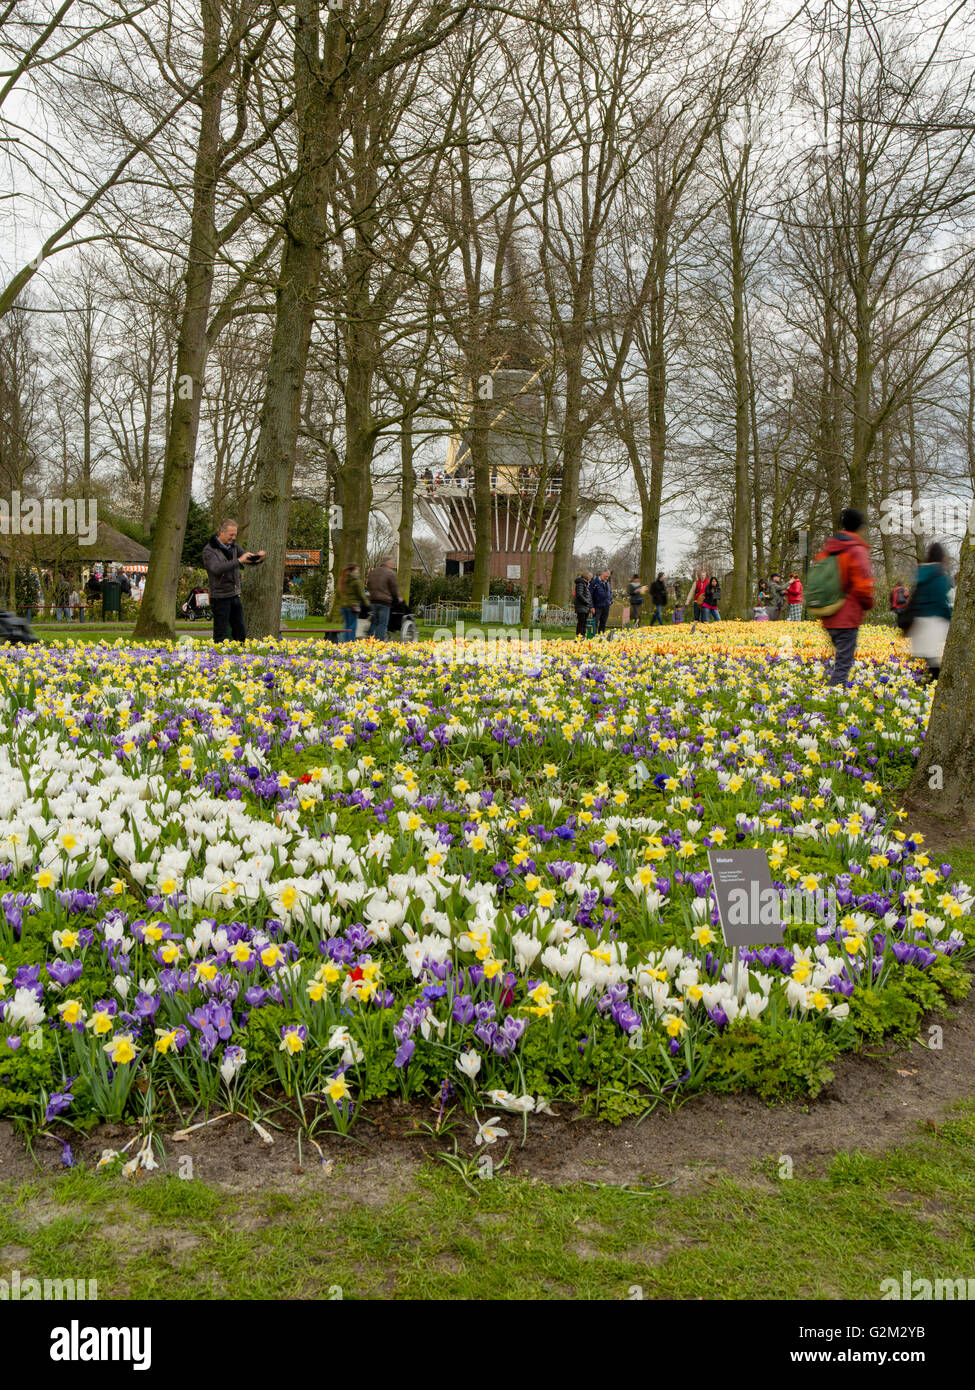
(856, 577)
(793, 595)
(700, 584)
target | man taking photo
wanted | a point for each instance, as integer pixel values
(222, 559)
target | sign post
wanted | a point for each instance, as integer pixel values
(749, 908)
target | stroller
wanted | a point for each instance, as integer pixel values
(14, 630)
(197, 605)
(402, 621)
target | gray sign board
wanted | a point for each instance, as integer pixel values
(749, 907)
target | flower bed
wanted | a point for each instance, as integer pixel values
(315, 876)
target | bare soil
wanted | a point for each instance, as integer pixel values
(875, 1102)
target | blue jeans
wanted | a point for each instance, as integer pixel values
(658, 615)
(844, 640)
(380, 621)
(350, 619)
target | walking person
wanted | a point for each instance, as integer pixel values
(222, 559)
(61, 610)
(899, 597)
(635, 592)
(601, 592)
(929, 609)
(582, 602)
(761, 611)
(793, 596)
(383, 590)
(678, 601)
(352, 600)
(658, 593)
(93, 588)
(841, 590)
(700, 584)
(777, 592)
(710, 601)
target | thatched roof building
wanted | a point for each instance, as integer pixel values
(68, 554)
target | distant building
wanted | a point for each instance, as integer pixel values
(523, 462)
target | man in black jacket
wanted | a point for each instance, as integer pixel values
(658, 592)
(601, 591)
(222, 559)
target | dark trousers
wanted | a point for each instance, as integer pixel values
(601, 615)
(844, 640)
(658, 614)
(228, 619)
(697, 612)
(582, 618)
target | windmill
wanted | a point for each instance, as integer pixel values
(521, 449)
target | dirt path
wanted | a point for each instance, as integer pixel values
(873, 1103)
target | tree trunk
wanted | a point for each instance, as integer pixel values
(157, 611)
(405, 548)
(360, 438)
(481, 468)
(738, 598)
(944, 779)
(560, 588)
(316, 112)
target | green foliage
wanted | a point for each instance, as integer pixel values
(307, 525)
(750, 1056)
(262, 1036)
(24, 1073)
(28, 594)
(314, 585)
(452, 588)
(199, 529)
(892, 1010)
(127, 527)
(898, 1008)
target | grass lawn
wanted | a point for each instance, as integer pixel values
(202, 632)
(833, 1236)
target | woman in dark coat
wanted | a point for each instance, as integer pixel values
(582, 602)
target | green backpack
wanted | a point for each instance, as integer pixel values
(825, 594)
